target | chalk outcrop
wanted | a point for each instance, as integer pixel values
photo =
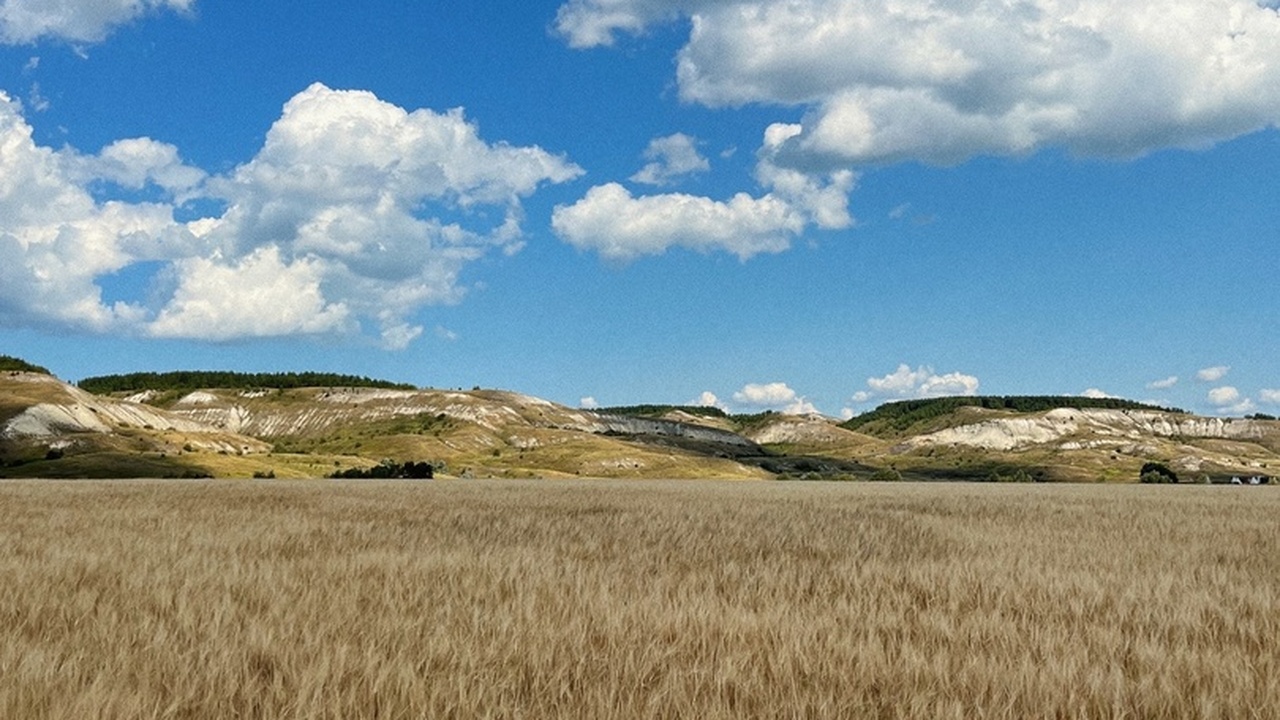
(74, 410)
(1082, 429)
(56, 413)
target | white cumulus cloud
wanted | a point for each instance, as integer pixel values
(1228, 400)
(24, 21)
(707, 399)
(136, 162)
(621, 227)
(1164, 384)
(942, 82)
(921, 382)
(774, 396)
(354, 215)
(1213, 374)
(765, 394)
(670, 159)
(1226, 395)
(56, 239)
(258, 295)
(364, 188)
(1270, 396)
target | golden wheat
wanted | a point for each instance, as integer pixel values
(647, 600)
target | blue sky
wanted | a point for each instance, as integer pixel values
(811, 205)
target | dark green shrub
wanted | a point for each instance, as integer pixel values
(1155, 473)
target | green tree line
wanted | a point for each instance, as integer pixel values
(202, 379)
(9, 363)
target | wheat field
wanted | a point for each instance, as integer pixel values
(503, 599)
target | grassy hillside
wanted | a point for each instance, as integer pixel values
(290, 425)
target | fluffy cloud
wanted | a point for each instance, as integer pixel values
(1096, 394)
(137, 162)
(670, 159)
(363, 188)
(259, 295)
(1222, 396)
(922, 382)
(1164, 384)
(765, 395)
(355, 213)
(24, 21)
(56, 239)
(588, 403)
(622, 227)
(774, 396)
(942, 82)
(588, 23)
(1228, 400)
(1271, 397)
(707, 399)
(1213, 374)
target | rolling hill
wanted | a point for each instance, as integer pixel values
(49, 428)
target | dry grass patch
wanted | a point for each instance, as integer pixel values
(615, 600)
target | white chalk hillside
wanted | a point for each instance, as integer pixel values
(60, 409)
(1076, 429)
(319, 410)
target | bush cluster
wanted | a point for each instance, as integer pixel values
(1155, 473)
(389, 470)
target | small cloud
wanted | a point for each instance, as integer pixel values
(1213, 374)
(36, 100)
(446, 334)
(706, 399)
(1227, 400)
(899, 212)
(1271, 397)
(774, 396)
(588, 403)
(765, 394)
(847, 413)
(138, 162)
(32, 64)
(76, 21)
(1223, 396)
(398, 336)
(801, 407)
(1096, 394)
(622, 227)
(1164, 384)
(922, 382)
(671, 158)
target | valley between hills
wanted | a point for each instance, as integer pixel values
(50, 428)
